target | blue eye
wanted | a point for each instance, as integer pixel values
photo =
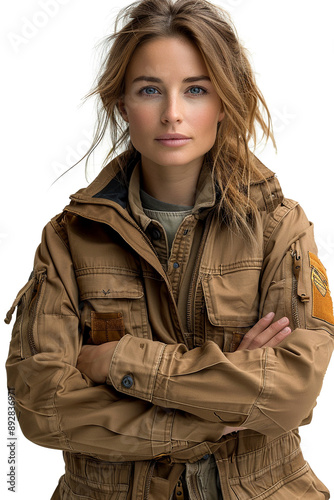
(197, 91)
(148, 90)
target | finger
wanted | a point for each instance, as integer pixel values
(278, 338)
(261, 333)
(262, 338)
(257, 329)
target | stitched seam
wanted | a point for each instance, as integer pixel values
(260, 472)
(263, 383)
(58, 233)
(168, 400)
(85, 271)
(285, 211)
(282, 482)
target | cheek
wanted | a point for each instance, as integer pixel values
(141, 126)
(206, 122)
(139, 118)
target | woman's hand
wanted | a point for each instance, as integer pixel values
(94, 361)
(265, 334)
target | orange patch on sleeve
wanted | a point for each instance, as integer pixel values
(322, 300)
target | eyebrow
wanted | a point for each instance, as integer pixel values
(158, 80)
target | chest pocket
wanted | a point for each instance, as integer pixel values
(232, 303)
(112, 305)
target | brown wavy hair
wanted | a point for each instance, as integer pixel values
(210, 28)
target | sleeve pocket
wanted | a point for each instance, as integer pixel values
(28, 303)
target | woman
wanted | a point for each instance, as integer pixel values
(178, 323)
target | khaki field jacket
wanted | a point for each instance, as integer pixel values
(172, 388)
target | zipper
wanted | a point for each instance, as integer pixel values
(296, 263)
(295, 276)
(190, 315)
(299, 292)
(33, 311)
(149, 480)
(195, 494)
(295, 313)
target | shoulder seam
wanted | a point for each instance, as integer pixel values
(276, 217)
(59, 229)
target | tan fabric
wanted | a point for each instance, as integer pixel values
(166, 403)
(186, 243)
(200, 478)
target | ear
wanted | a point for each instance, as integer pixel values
(221, 116)
(122, 109)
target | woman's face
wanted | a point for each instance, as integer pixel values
(170, 104)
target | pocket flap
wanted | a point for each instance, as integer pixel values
(232, 299)
(109, 286)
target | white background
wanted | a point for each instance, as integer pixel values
(49, 61)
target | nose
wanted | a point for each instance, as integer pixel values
(172, 111)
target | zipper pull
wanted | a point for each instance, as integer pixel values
(297, 268)
(19, 296)
(296, 260)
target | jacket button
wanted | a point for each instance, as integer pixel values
(176, 265)
(206, 457)
(127, 381)
(155, 234)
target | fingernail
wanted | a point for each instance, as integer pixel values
(286, 330)
(283, 321)
(269, 315)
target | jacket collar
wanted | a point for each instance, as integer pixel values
(112, 185)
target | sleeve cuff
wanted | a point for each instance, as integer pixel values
(134, 366)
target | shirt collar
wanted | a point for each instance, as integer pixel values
(205, 196)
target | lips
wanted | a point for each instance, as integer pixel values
(167, 137)
(173, 140)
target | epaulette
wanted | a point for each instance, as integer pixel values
(59, 225)
(265, 190)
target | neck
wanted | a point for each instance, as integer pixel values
(176, 185)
